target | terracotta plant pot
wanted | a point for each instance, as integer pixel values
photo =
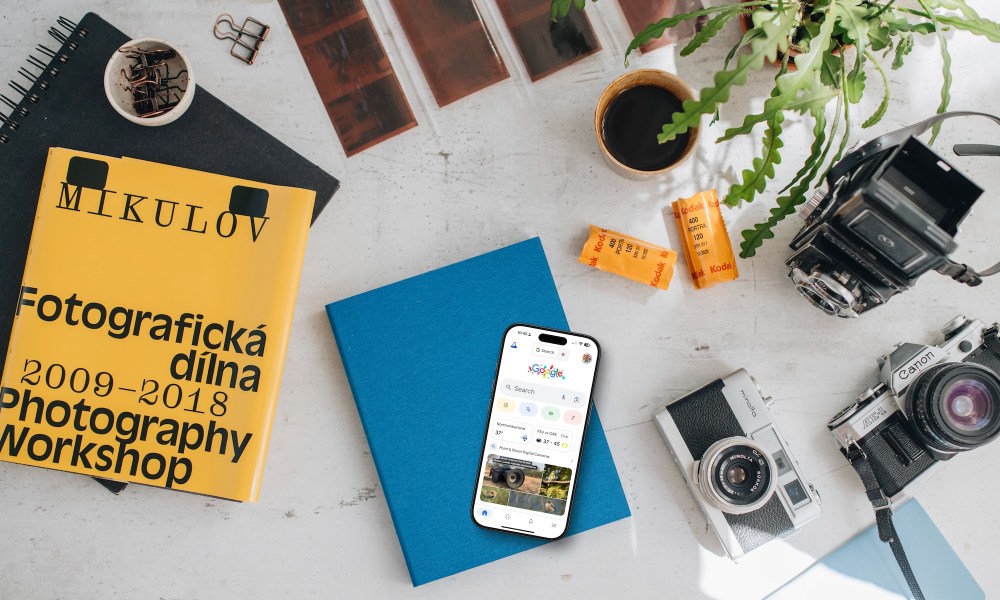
(746, 23)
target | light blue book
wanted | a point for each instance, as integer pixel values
(865, 568)
(420, 356)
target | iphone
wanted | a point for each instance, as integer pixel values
(538, 416)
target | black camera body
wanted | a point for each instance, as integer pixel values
(931, 403)
(512, 476)
(890, 214)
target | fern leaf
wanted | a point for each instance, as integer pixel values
(855, 82)
(843, 105)
(755, 238)
(852, 16)
(946, 68)
(903, 47)
(560, 8)
(655, 30)
(819, 140)
(958, 5)
(804, 180)
(809, 62)
(709, 31)
(748, 36)
(880, 38)
(788, 85)
(775, 38)
(787, 204)
(761, 232)
(817, 96)
(984, 27)
(763, 166)
(897, 23)
(884, 105)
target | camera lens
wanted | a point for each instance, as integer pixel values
(737, 475)
(825, 292)
(967, 405)
(515, 477)
(956, 406)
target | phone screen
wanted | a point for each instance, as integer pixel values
(534, 435)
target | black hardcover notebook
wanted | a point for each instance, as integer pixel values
(63, 104)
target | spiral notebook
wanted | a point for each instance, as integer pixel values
(63, 104)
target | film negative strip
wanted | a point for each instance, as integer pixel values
(452, 46)
(640, 13)
(547, 46)
(351, 71)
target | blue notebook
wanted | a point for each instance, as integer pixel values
(865, 568)
(420, 356)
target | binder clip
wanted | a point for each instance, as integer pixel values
(154, 91)
(247, 39)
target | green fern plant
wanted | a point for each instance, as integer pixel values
(806, 39)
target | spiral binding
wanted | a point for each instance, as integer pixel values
(69, 35)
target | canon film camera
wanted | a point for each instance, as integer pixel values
(737, 464)
(931, 402)
(889, 213)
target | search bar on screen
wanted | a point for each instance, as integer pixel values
(540, 393)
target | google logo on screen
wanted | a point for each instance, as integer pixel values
(549, 372)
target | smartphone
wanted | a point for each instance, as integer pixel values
(538, 415)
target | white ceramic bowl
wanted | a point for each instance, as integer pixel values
(121, 98)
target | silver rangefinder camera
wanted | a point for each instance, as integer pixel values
(737, 464)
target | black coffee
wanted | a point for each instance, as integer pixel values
(633, 120)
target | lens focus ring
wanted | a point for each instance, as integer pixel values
(956, 406)
(737, 475)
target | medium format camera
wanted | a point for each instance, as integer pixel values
(931, 402)
(889, 213)
(736, 463)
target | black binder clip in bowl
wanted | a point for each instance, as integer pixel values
(149, 82)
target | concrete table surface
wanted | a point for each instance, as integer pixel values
(510, 162)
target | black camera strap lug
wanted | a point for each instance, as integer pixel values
(883, 515)
(963, 273)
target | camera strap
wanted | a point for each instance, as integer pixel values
(883, 515)
(963, 273)
(892, 139)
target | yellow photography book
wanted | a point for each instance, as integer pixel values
(152, 324)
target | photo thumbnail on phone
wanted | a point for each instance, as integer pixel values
(525, 484)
